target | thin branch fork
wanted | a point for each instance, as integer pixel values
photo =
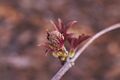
(70, 62)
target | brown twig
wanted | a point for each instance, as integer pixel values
(70, 62)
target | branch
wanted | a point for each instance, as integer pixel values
(70, 62)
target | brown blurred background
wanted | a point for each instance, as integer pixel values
(22, 27)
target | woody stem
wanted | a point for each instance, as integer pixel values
(68, 64)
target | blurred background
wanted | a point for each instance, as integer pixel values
(23, 25)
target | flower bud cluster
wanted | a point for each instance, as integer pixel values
(57, 39)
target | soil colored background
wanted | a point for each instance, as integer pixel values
(23, 25)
